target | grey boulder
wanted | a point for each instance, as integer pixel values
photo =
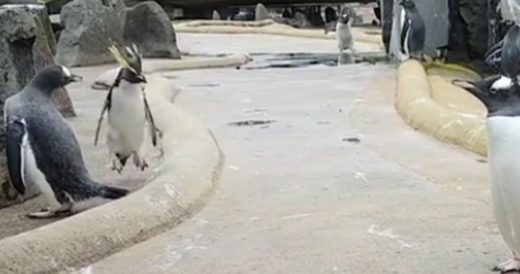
(90, 27)
(147, 25)
(261, 12)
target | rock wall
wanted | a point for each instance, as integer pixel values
(147, 25)
(91, 26)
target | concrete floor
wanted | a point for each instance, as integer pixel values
(296, 196)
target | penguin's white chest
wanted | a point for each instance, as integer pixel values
(407, 34)
(504, 163)
(344, 36)
(126, 117)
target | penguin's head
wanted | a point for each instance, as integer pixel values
(344, 16)
(52, 77)
(496, 102)
(134, 72)
(131, 63)
(407, 4)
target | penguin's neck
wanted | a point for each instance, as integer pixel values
(130, 76)
(41, 87)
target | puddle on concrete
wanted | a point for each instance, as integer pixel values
(250, 123)
(296, 60)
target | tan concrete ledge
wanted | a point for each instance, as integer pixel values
(187, 176)
(361, 34)
(434, 106)
(156, 65)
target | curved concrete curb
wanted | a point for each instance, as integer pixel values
(188, 175)
(267, 27)
(232, 60)
(415, 105)
(155, 65)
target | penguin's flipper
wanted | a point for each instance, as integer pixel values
(404, 33)
(149, 118)
(16, 143)
(107, 104)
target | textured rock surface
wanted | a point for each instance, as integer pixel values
(26, 45)
(474, 14)
(148, 26)
(216, 15)
(261, 12)
(90, 28)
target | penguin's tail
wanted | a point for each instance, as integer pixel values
(110, 192)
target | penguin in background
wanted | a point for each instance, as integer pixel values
(42, 148)
(506, 55)
(344, 36)
(128, 113)
(413, 31)
(503, 129)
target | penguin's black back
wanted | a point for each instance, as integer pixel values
(510, 60)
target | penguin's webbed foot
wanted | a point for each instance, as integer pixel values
(47, 214)
(425, 59)
(508, 266)
(116, 165)
(140, 162)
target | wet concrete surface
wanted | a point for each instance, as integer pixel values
(88, 104)
(339, 184)
(295, 60)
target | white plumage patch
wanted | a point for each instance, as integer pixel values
(126, 119)
(66, 71)
(504, 148)
(35, 175)
(22, 153)
(502, 83)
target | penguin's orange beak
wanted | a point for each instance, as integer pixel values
(141, 78)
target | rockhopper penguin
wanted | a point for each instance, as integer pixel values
(506, 55)
(128, 111)
(503, 129)
(413, 31)
(42, 148)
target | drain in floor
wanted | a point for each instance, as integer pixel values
(250, 123)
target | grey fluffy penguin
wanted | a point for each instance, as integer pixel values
(503, 129)
(506, 55)
(344, 31)
(128, 112)
(413, 31)
(42, 148)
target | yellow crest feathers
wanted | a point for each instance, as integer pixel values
(120, 58)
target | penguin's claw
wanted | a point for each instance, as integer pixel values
(117, 167)
(508, 266)
(140, 162)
